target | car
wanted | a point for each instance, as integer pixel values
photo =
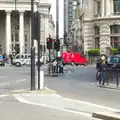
(66, 56)
(2, 62)
(73, 58)
(21, 59)
(25, 59)
(78, 59)
(113, 61)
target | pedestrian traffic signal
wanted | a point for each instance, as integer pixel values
(49, 43)
(56, 44)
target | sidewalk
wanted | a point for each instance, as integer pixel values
(50, 99)
(111, 86)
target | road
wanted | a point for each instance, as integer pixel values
(77, 83)
(81, 84)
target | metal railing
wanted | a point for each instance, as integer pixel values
(112, 75)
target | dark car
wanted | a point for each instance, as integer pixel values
(113, 61)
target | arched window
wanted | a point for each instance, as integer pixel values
(116, 6)
(115, 36)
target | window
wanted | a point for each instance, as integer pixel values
(97, 42)
(115, 29)
(25, 45)
(18, 57)
(114, 60)
(115, 37)
(25, 50)
(97, 30)
(16, 37)
(25, 38)
(97, 37)
(22, 56)
(116, 5)
(98, 8)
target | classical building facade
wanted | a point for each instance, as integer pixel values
(99, 24)
(15, 27)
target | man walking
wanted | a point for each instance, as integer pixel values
(101, 70)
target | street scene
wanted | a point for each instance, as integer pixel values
(59, 59)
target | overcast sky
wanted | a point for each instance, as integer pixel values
(53, 12)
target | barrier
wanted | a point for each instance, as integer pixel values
(112, 75)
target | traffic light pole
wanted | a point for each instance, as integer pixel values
(38, 38)
(32, 48)
(57, 24)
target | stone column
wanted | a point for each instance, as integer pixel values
(103, 8)
(8, 32)
(108, 7)
(104, 37)
(112, 11)
(21, 34)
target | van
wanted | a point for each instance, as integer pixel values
(73, 58)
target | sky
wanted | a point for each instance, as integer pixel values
(53, 12)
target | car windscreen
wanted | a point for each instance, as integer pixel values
(114, 60)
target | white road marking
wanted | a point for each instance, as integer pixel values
(87, 103)
(3, 96)
(19, 98)
(22, 80)
(99, 106)
(4, 83)
(47, 88)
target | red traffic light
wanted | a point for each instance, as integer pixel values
(54, 40)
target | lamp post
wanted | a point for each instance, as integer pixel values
(57, 24)
(14, 41)
(32, 48)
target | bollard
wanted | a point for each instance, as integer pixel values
(36, 81)
(41, 80)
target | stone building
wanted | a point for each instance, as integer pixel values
(100, 26)
(15, 27)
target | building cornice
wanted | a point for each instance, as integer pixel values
(13, 1)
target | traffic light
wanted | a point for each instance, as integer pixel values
(49, 43)
(56, 44)
(36, 25)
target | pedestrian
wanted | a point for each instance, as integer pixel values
(97, 68)
(50, 67)
(11, 58)
(101, 71)
(60, 64)
(54, 66)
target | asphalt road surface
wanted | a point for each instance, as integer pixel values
(77, 83)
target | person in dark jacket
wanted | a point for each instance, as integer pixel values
(101, 70)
